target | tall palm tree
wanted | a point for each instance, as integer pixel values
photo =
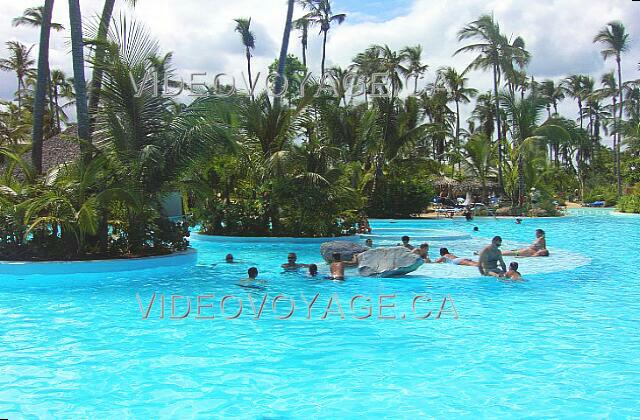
(366, 64)
(21, 63)
(456, 84)
(243, 27)
(33, 17)
(283, 50)
(62, 88)
(415, 67)
(552, 93)
(302, 24)
(615, 41)
(573, 87)
(98, 58)
(41, 86)
(392, 63)
(492, 47)
(79, 82)
(320, 14)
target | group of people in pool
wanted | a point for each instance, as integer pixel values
(490, 259)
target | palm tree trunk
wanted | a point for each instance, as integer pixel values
(283, 52)
(619, 125)
(52, 104)
(57, 108)
(304, 55)
(19, 94)
(457, 132)
(41, 87)
(324, 49)
(249, 70)
(98, 70)
(498, 126)
(79, 83)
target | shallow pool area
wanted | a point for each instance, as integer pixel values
(440, 341)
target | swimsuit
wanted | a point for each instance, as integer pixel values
(455, 261)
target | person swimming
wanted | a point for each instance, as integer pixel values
(405, 243)
(537, 249)
(448, 257)
(513, 272)
(252, 279)
(423, 252)
(369, 243)
(291, 263)
(337, 267)
(313, 270)
(229, 259)
(490, 257)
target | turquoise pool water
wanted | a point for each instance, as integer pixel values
(564, 343)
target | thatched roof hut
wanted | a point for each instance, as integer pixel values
(59, 149)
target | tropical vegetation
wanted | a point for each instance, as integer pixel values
(333, 148)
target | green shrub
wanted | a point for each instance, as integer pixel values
(629, 204)
(398, 198)
(607, 194)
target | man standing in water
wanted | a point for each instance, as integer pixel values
(490, 256)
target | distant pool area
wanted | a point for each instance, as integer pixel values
(564, 343)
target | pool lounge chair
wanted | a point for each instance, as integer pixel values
(596, 204)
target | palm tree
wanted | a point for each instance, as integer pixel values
(573, 86)
(62, 88)
(459, 93)
(480, 155)
(366, 64)
(99, 55)
(33, 16)
(302, 24)
(492, 47)
(21, 63)
(553, 94)
(243, 27)
(41, 86)
(283, 51)
(79, 83)
(615, 41)
(415, 68)
(320, 14)
(632, 99)
(392, 63)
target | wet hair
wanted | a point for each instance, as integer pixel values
(229, 257)
(369, 242)
(475, 229)
(313, 269)
(336, 256)
(540, 232)
(292, 254)
(444, 251)
(252, 272)
(496, 238)
(513, 266)
(424, 245)
(544, 252)
(405, 238)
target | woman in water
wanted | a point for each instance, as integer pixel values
(447, 257)
(537, 249)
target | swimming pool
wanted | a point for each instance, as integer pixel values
(562, 344)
